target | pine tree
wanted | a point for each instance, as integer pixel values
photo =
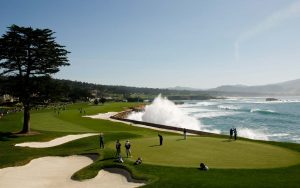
(27, 56)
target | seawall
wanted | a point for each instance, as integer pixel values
(122, 116)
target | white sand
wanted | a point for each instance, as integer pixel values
(102, 115)
(55, 142)
(106, 116)
(56, 172)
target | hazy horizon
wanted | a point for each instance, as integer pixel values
(163, 44)
(174, 87)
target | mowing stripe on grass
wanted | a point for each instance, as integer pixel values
(49, 122)
(215, 152)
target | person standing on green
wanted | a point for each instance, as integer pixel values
(235, 134)
(101, 140)
(184, 133)
(127, 147)
(231, 133)
(160, 139)
(118, 148)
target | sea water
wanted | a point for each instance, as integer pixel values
(254, 118)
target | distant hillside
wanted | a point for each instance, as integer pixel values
(127, 92)
(68, 90)
(179, 88)
(288, 88)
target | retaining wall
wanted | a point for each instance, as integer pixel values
(122, 116)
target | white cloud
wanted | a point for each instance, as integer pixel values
(268, 23)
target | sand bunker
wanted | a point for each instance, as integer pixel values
(56, 172)
(55, 142)
(102, 115)
(106, 116)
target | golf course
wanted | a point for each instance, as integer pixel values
(240, 163)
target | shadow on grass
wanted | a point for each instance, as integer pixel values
(155, 145)
(93, 156)
(91, 149)
(228, 140)
(107, 159)
(180, 139)
(7, 136)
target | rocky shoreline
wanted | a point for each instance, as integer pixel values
(122, 116)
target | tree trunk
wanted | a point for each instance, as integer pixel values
(26, 122)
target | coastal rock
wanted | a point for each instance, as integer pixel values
(272, 99)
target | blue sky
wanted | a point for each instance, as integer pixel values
(160, 43)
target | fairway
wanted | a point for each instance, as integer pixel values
(215, 152)
(249, 163)
(50, 122)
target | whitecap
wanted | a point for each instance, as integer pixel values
(278, 135)
(213, 114)
(195, 110)
(206, 103)
(262, 111)
(229, 107)
(296, 139)
(255, 134)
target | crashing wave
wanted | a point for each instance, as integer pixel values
(229, 107)
(252, 134)
(213, 114)
(257, 110)
(165, 112)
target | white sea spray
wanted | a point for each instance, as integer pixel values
(165, 112)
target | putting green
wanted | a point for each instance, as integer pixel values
(215, 152)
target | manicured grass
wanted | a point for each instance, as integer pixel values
(71, 120)
(11, 122)
(215, 152)
(52, 122)
(271, 164)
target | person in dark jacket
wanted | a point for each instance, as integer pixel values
(203, 167)
(127, 147)
(235, 134)
(184, 133)
(101, 140)
(118, 148)
(231, 133)
(138, 161)
(160, 139)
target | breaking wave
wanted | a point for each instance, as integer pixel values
(254, 110)
(253, 121)
(197, 104)
(252, 134)
(257, 110)
(229, 107)
(165, 112)
(279, 135)
(213, 114)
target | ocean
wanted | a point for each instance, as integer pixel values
(254, 118)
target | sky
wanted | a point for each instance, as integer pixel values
(168, 43)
